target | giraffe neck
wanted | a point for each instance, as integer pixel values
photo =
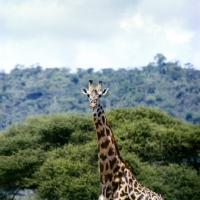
(117, 180)
(109, 159)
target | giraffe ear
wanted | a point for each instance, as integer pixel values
(85, 91)
(105, 91)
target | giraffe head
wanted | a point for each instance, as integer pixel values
(94, 93)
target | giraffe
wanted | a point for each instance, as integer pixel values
(116, 177)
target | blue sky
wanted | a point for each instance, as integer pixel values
(98, 34)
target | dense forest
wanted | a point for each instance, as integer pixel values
(56, 154)
(47, 138)
(166, 85)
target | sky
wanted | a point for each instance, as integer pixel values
(98, 34)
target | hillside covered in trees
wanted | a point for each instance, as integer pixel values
(166, 85)
(56, 154)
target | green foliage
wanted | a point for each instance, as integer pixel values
(172, 181)
(69, 173)
(155, 136)
(32, 91)
(56, 154)
(25, 147)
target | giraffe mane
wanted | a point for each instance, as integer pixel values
(117, 150)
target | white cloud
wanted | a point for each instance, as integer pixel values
(98, 34)
(180, 37)
(159, 31)
(90, 56)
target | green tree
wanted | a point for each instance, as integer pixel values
(160, 59)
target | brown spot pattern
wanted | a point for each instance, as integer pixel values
(112, 163)
(103, 157)
(101, 168)
(108, 132)
(111, 151)
(105, 144)
(103, 119)
(120, 182)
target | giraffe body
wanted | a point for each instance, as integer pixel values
(116, 177)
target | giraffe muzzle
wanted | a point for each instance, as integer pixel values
(93, 105)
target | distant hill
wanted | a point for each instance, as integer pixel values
(166, 85)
